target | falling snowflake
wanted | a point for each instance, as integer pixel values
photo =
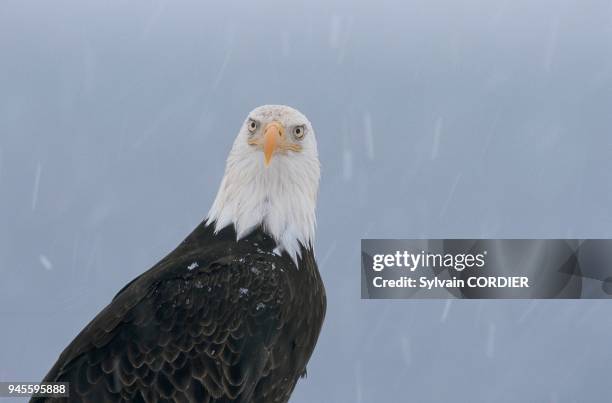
(45, 262)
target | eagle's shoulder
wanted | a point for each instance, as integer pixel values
(211, 297)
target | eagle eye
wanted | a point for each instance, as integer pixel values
(252, 125)
(299, 132)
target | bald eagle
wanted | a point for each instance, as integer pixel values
(234, 312)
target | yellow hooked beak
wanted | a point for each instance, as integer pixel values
(274, 134)
(274, 141)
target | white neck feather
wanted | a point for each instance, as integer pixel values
(281, 197)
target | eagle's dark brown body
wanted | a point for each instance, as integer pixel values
(215, 321)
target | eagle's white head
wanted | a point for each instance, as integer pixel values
(271, 178)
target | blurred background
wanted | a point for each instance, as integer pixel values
(472, 118)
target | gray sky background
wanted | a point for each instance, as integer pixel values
(480, 118)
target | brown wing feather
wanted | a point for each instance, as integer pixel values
(202, 335)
